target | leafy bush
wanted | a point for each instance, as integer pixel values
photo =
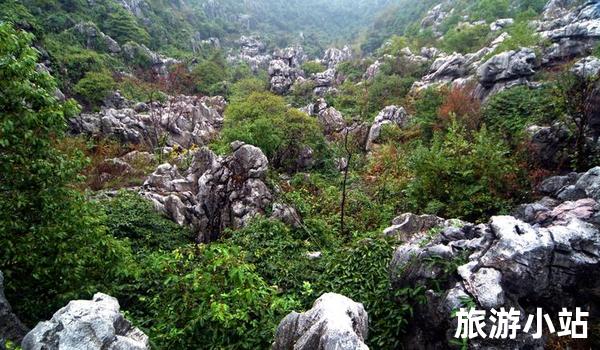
(122, 26)
(94, 87)
(212, 298)
(490, 10)
(130, 216)
(509, 112)
(462, 177)
(54, 246)
(426, 107)
(361, 272)
(466, 38)
(313, 67)
(264, 120)
(209, 75)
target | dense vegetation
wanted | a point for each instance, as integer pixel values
(63, 238)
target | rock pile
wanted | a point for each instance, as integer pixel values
(181, 121)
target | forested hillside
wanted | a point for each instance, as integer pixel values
(307, 175)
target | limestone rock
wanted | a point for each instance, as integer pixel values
(11, 327)
(87, 325)
(334, 322)
(393, 115)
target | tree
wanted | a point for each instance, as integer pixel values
(54, 247)
(283, 133)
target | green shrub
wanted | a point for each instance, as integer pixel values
(54, 245)
(209, 75)
(211, 298)
(264, 120)
(490, 10)
(361, 272)
(466, 38)
(463, 177)
(426, 107)
(242, 89)
(94, 87)
(122, 26)
(130, 216)
(509, 112)
(312, 67)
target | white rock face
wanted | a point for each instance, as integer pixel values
(335, 322)
(95, 324)
(394, 115)
(588, 67)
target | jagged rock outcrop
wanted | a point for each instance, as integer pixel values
(573, 32)
(501, 23)
(213, 193)
(95, 39)
(252, 52)
(334, 56)
(393, 115)
(506, 70)
(588, 67)
(181, 121)
(324, 82)
(540, 257)
(372, 70)
(133, 53)
(284, 69)
(95, 324)
(11, 328)
(334, 322)
(330, 118)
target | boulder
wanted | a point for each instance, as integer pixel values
(509, 65)
(95, 39)
(11, 328)
(253, 52)
(95, 324)
(393, 115)
(587, 68)
(500, 24)
(330, 119)
(334, 322)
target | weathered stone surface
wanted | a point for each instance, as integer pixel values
(133, 52)
(393, 115)
(334, 322)
(214, 193)
(87, 325)
(334, 56)
(329, 118)
(548, 144)
(510, 65)
(11, 327)
(543, 257)
(181, 121)
(253, 52)
(95, 39)
(588, 67)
